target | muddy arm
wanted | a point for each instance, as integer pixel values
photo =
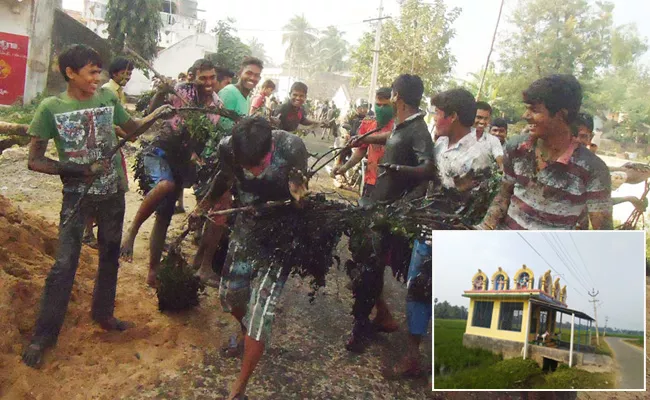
(10, 129)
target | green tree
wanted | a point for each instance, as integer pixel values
(138, 30)
(417, 42)
(257, 50)
(300, 38)
(231, 50)
(331, 50)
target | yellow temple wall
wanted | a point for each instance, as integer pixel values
(493, 331)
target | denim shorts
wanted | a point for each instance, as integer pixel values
(418, 314)
(157, 169)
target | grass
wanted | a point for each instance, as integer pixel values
(457, 367)
(636, 341)
(450, 354)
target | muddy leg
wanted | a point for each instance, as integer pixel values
(148, 206)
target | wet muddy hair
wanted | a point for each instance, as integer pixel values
(383, 93)
(410, 89)
(585, 119)
(483, 105)
(76, 57)
(119, 64)
(298, 87)
(251, 140)
(202, 64)
(556, 92)
(459, 101)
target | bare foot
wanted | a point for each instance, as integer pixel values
(385, 326)
(208, 277)
(114, 324)
(151, 279)
(237, 391)
(126, 250)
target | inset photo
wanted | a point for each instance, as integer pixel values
(552, 310)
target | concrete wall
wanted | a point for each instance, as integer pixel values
(507, 348)
(537, 353)
(493, 331)
(16, 17)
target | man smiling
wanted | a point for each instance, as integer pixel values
(236, 96)
(550, 180)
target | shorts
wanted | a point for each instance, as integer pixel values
(250, 285)
(157, 169)
(418, 314)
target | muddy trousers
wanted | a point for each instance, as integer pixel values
(108, 211)
(369, 284)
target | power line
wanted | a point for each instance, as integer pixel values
(542, 257)
(570, 266)
(573, 263)
(584, 264)
(562, 260)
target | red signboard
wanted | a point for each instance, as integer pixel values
(13, 66)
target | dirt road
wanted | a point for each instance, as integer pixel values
(630, 360)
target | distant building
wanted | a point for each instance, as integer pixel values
(173, 60)
(516, 319)
(179, 18)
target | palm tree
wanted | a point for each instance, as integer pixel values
(257, 50)
(332, 49)
(301, 37)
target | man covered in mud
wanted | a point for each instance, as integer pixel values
(169, 161)
(405, 168)
(80, 121)
(550, 179)
(264, 165)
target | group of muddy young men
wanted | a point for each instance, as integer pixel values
(550, 181)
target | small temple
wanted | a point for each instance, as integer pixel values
(519, 317)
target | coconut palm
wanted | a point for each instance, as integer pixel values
(331, 50)
(300, 37)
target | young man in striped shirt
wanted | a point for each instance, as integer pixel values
(549, 178)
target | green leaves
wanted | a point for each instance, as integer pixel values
(417, 42)
(138, 30)
(231, 50)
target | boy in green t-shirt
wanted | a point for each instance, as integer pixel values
(237, 97)
(80, 121)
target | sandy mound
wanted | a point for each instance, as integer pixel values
(87, 362)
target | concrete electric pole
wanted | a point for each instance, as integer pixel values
(375, 56)
(593, 295)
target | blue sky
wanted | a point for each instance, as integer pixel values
(615, 262)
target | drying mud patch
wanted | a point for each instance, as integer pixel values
(87, 361)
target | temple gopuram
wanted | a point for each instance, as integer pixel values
(523, 317)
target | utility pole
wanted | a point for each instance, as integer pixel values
(605, 330)
(593, 295)
(487, 63)
(375, 56)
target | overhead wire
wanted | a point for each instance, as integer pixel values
(582, 259)
(542, 257)
(578, 271)
(555, 247)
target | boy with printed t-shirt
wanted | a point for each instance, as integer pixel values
(80, 121)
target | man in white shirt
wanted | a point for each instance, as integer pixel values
(459, 155)
(481, 123)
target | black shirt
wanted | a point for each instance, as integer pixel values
(410, 145)
(290, 116)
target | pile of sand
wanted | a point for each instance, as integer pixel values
(87, 361)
